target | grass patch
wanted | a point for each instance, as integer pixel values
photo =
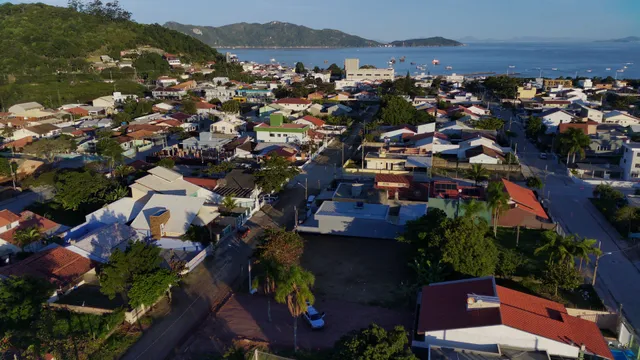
(526, 245)
(115, 346)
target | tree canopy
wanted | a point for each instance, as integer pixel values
(273, 174)
(51, 147)
(21, 300)
(397, 111)
(374, 343)
(231, 106)
(74, 188)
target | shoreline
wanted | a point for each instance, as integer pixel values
(329, 47)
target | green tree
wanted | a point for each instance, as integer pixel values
(50, 148)
(630, 215)
(427, 233)
(148, 287)
(300, 68)
(559, 248)
(218, 169)
(468, 250)
(584, 248)
(110, 148)
(189, 107)
(559, 275)
(294, 289)
(477, 172)
(508, 263)
(215, 101)
(374, 343)
(281, 247)
(74, 189)
(118, 275)
(489, 123)
(166, 163)
(472, 209)
(535, 127)
(229, 203)
(534, 182)
(231, 106)
(335, 70)
(498, 202)
(274, 173)
(574, 141)
(21, 300)
(502, 86)
(397, 111)
(122, 170)
(26, 236)
(607, 192)
(316, 69)
(8, 168)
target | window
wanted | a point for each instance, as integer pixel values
(9, 226)
(161, 229)
(637, 166)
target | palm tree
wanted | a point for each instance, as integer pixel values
(26, 236)
(229, 203)
(477, 172)
(294, 289)
(498, 202)
(584, 248)
(473, 208)
(123, 170)
(561, 248)
(574, 141)
(271, 273)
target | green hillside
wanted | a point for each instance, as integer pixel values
(45, 39)
(432, 41)
(272, 34)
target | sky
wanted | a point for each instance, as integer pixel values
(388, 20)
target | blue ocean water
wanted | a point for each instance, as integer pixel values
(526, 59)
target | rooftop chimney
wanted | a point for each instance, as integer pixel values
(157, 222)
(477, 302)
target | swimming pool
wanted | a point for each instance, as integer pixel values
(623, 355)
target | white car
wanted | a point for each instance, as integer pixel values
(543, 156)
(314, 318)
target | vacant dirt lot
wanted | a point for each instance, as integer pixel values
(367, 271)
(245, 317)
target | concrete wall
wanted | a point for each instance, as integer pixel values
(81, 309)
(604, 319)
(479, 338)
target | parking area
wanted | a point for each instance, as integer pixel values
(361, 270)
(244, 317)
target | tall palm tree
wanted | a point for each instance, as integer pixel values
(498, 202)
(629, 215)
(584, 248)
(574, 141)
(24, 237)
(477, 172)
(560, 248)
(294, 289)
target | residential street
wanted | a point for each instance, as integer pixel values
(209, 284)
(618, 279)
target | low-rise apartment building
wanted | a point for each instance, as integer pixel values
(630, 162)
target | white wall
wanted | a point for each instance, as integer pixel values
(479, 337)
(483, 159)
(280, 137)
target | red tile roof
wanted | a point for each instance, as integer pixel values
(27, 220)
(18, 144)
(202, 182)
(392, 178)
(444, 307)
(314, 120)
(293, 101)
(7, 217)
(59, 266)
(524, 198)
(140, 165)
(170, 122)
(204, 105)
(550, 320)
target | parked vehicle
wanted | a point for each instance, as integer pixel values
(543, 156)
(270, 199)
(311, 200)
(314, 318)
(243, 231)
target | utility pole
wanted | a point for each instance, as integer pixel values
(595, 269)
(306, 187)
(295, 218)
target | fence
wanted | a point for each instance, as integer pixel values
(442, 163)
(259, 355)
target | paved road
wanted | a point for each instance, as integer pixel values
(618, 279)
(210, 283)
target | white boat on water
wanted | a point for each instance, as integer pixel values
(621, 70)
(273, 60)
(449, 68)
(589, 70)
(435, 62)
(608, 69)
(554, 69)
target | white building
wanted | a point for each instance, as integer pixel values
(620, 118)
(294, 104)
(478, 315)
(591, 114)
(630, 162)
(228, 126)
(164, 181)
(354, 73)
(553, 118)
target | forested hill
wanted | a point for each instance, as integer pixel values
(272, 34)
(38, 38)
(432, 41)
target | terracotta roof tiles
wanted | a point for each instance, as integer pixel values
(524, 198)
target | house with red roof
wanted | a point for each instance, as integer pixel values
(294, 104)
(61, 267)
(478, 315)
(11, 223)
(524, 209)
(312, 121)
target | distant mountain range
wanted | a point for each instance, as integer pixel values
(287, 35)
(627, 39)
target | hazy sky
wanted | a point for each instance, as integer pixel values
(388, 20)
